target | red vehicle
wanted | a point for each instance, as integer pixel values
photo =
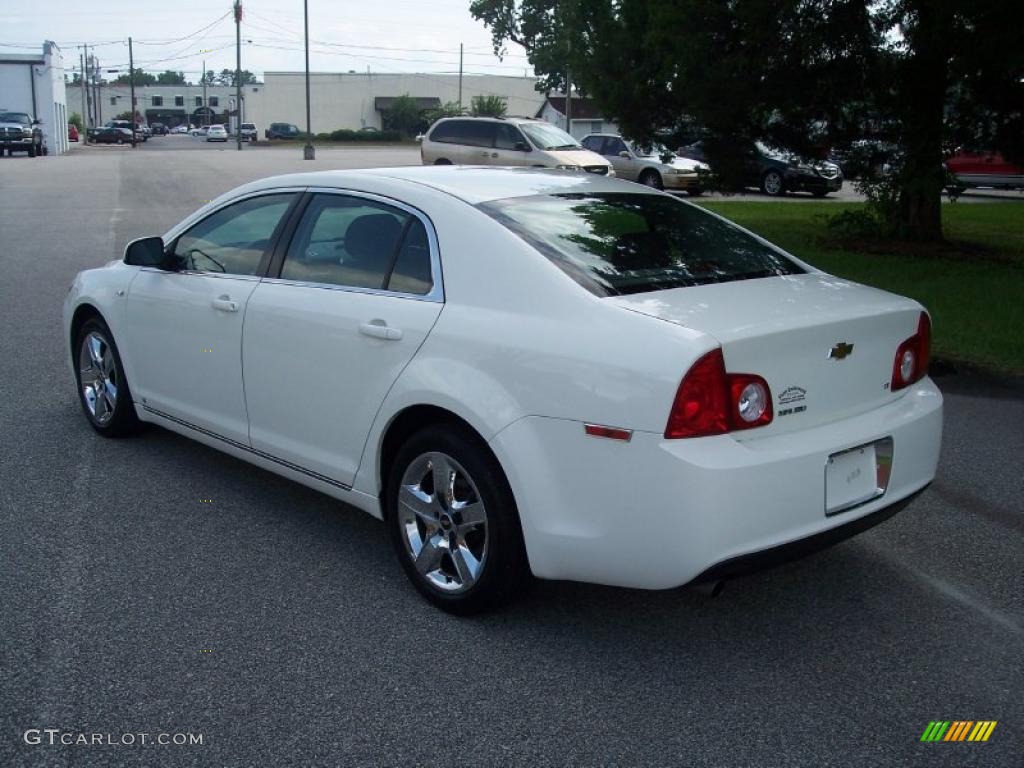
(980, 168)
(72, 132)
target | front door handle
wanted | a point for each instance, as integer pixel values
(378, 329)
(225, 304)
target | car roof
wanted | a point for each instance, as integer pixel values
(470, 184)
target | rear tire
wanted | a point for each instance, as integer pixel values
(442, 161)
(461, 548)
(696, 192)
(103, 390)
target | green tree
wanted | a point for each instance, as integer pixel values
(448, 109)
(170, 77)
(227, 77)
(798, 74)
(488, 106)
(75, 119)
(141, 78)
(208, 78)
(405, 115)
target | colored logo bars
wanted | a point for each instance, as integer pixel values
(958, 730)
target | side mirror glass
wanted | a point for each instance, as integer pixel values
(146, 252)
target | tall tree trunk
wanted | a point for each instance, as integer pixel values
(923, 99)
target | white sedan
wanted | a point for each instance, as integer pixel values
(216, 133)
(521, 371)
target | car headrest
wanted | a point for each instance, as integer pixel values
(372, 237)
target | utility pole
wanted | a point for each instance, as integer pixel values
(98, 90)
(238, 73)
(460, 75)
(205, 118)
(131, 86)
(81, 85)
(308, 153)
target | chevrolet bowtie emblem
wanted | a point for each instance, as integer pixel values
(840, 351)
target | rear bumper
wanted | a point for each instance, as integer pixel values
(794, 550)
(656, 514)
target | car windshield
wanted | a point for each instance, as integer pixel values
(547, 136)
(620, 243)
(14, 117)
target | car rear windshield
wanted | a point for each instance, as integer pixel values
(619, 243)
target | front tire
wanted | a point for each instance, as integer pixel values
(442, 161)
(103, 390)
(651, 178)
(454, 523)
(772, 184)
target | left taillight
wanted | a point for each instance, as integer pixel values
(710, 401)
(911, 361)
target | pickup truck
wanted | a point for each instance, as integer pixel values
(20, 133)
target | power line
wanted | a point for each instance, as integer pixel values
(212, 24)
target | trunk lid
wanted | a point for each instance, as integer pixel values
(824, 345)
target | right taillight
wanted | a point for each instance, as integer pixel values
(911, 362)
(710, 401)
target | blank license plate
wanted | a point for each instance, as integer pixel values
(858, 475)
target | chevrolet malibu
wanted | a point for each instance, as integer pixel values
(522, 372)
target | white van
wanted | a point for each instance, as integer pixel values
(505, 141)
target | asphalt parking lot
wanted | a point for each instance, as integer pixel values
(275, 622)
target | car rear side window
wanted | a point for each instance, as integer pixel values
(234, 239)
(472, 133)
(358, 243)
(620, 243)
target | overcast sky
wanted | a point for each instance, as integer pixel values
(384, 35)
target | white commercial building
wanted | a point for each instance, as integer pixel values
(358, 100)
(168, 104)
(34, 83)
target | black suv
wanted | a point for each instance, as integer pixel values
(20, 133)
(282, 131)
(776, 173)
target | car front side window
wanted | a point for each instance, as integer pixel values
(233, 240)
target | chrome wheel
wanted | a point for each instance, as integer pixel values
(443, 522)
(98, 377)
(773, 183)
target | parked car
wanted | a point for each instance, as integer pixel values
(982, 168)
(72, 132)
(216, 133)
(140, 134)
(249, 132)
(110, 135)
(866, 157)
(179, 129)
(507, 141)
(199, 130)
(159, 129)
(20, 133)
(775, 172)
(654, 166)
(282, 131)
(610, 384)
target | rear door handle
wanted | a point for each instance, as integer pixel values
(378, 329)
(225, 304)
